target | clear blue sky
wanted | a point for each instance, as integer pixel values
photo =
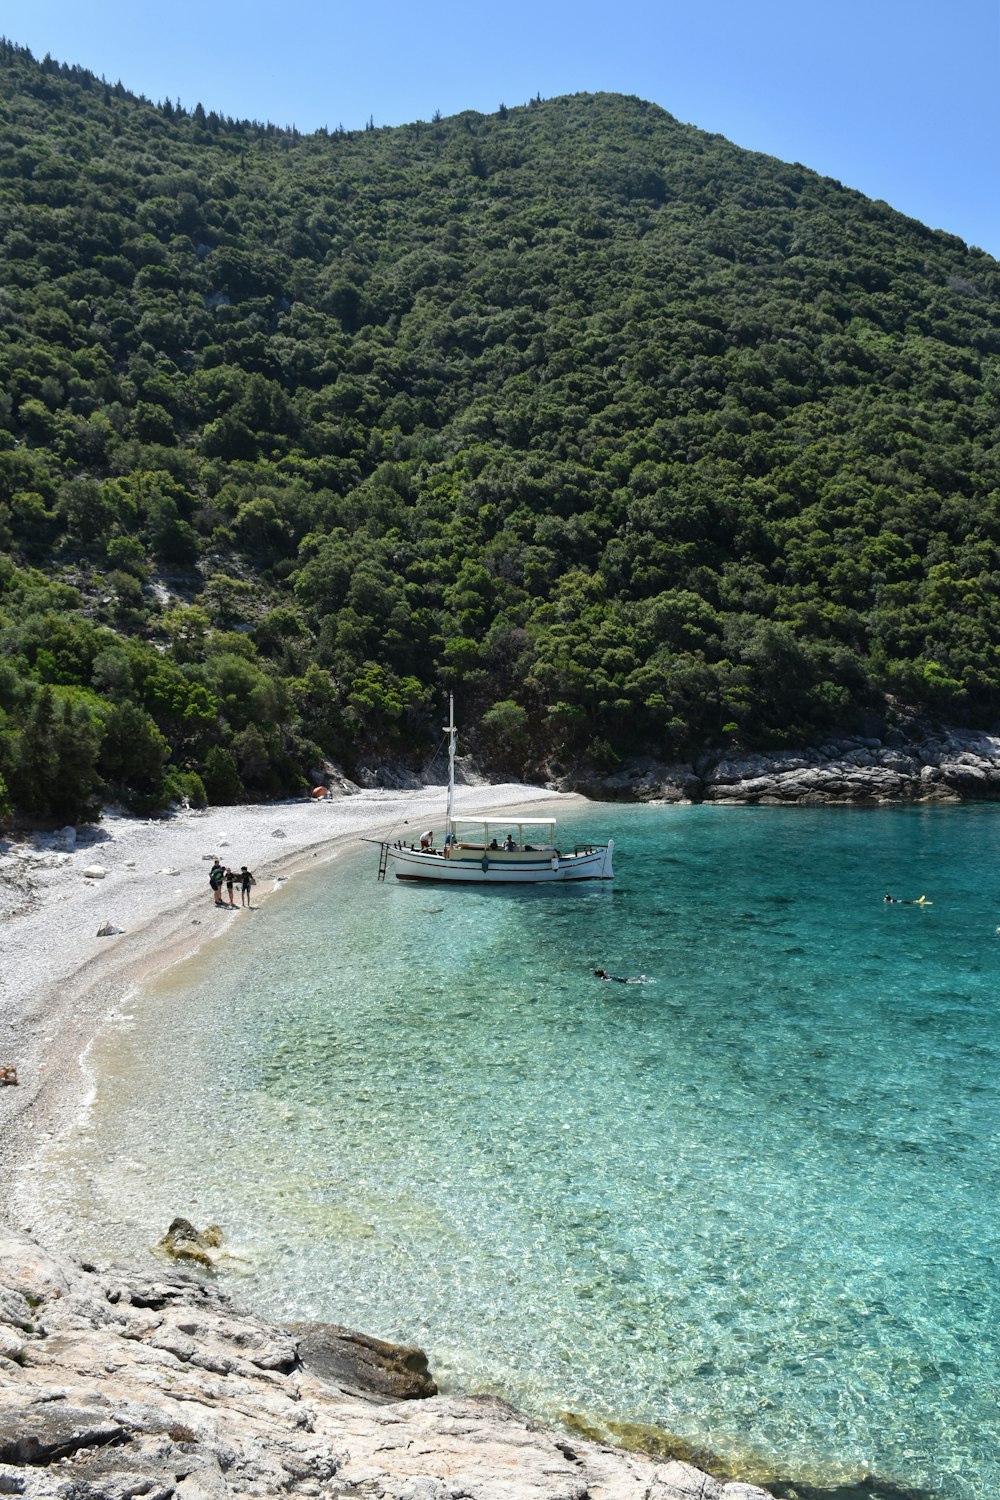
(898, 98)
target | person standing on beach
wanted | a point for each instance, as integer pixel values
(230, 882)
(215, 878)
(246, 881)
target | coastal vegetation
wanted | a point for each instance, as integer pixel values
(636, 440)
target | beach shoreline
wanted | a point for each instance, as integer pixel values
(60, 981)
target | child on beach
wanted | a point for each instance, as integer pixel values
(230, 882)
(246, 881)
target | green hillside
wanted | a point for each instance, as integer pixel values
(640, 442)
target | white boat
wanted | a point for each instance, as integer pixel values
(502, 850)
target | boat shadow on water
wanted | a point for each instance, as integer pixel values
(575, 890)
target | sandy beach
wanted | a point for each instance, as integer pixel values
(148, 881)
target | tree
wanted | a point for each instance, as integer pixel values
(507, 723)
(54, 769)
(221, 778)
(134, 752)
(35, 762)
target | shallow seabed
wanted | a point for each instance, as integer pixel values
(752, 1201)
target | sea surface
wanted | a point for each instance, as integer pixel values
(752, 1201)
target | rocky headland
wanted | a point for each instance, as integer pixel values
(938, 766)
(141, 1380)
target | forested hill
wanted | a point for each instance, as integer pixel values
(639, 441)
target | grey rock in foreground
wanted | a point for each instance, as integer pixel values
(120, 1381)
(361, 1365)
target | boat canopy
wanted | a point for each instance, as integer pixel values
(505, 822)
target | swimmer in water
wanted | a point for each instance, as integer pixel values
(614, 978)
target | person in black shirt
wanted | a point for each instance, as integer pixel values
(215, 878)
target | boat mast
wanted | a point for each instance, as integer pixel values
(452, 734)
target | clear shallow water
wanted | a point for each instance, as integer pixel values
(753, 1201)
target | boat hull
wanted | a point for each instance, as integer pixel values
(500, 868)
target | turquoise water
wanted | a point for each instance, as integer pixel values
(752, 1201)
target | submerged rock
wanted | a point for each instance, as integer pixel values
(183, 1242)
(123, 1381)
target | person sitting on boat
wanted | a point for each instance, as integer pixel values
(427, 839)
(494, 844)
(509, 842)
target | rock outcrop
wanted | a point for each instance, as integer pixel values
(120, 1381)
(943, 767)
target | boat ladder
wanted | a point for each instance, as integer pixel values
(383, 860)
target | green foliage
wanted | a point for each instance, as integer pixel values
(133, 753)
(507, 723)
(52, 766)
(185, 787)
(379, 702)
(603, 755)
(639, 441)
(221, 779)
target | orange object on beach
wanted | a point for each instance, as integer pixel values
(319, 791)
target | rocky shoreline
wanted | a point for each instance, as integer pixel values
(921, 766)
(119, 1381)
(942, 766)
